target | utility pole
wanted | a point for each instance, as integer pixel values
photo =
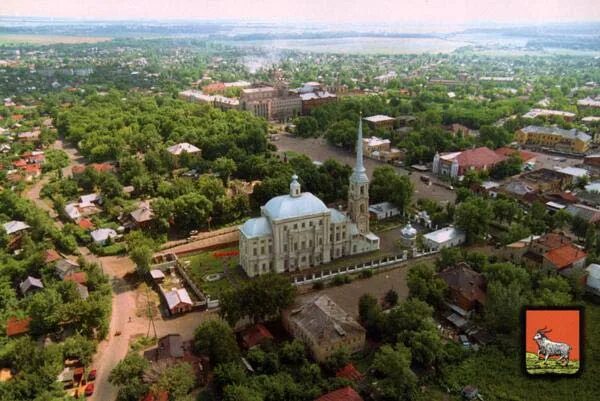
(150, 315)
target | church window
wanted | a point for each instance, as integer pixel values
(270, 248)
(337, 236)
(320, 241)
(254, 250)
(310, 243)
(303, 244)
(285, 228)
(344, 235)
(284, 247)
(303, 225)
(362, 189)
(295, 226)
(320, 222)
(296, 246)
(362, 208)
(262, 250)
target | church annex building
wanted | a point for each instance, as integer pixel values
(298, 231)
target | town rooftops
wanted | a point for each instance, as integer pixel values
(102, 234)
(349, 372)
(593, 278)
(258, 90)
(287, 207)
(444, 234)
(30, 283)
(382, 207)
(478, 157)
(465, 281)
(183, 147)
(588, 213)
(65, 266)
(177, 296)
(16, 326)
(574, 171)
(342, 394)
(316, 95)
(256, 335)
(143, 213)
(379, 118)
(322, 319)
(565, 256)
(524, 155)
(589, 102)
(51, 255)
(375, 141)
(257, 227)
(170, 346)
(14, 226)
(534, 113)
(567, 134)
(157, 274)
(76, 277)
(337, 217)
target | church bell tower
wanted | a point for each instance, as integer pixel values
(358, 190)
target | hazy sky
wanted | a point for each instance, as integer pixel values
(439, 11)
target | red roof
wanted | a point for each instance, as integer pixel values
(162, 396)
(19, 163)
(32, 168)
(86, 224)
(342, 394)
(77, 277)
(99, 167)
(479, 157)
(256, 335)
(16, 326)
(553, 240)
(51, 256)
(525, 156)
(565, 256)
(349, 372)
(17, 117)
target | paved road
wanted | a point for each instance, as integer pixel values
(319, 150)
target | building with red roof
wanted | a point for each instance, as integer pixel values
(77, 277)
(342, 394)
(565, 258)
(51, 255)
(99, 167)
(161, 396)
(256, 335)
(456, 164)
(527, 157)
(86, 224)
(467, 287)
(16, 326)
(349, 372)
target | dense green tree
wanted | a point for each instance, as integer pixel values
(192, 210)
(259, 299)
(396, 381)
(387, 185)
(474, 216)
(215, 339)
(424, 284)
(128, 377)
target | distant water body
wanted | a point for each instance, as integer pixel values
(361, 45)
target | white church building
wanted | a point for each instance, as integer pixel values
(298, 231)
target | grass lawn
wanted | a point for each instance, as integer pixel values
(537, 366)
(205, 263)
(497, 372)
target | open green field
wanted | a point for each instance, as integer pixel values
(496, 371)
(205, 263)
(537, 366)
(49, 39)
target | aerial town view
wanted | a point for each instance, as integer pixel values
(336, 200)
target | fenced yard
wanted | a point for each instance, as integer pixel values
(214, 271)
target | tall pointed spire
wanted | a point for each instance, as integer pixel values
(359, 173)
(359, 147)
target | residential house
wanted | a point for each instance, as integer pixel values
(571, 141)
(64, 267)
(349, 372)
(577, 174)
(467, 287)
(587, 213)
(543, 113)
(142, 217)
(456, 164)
(565, 258)
(314, 99)
(178, 301)
(169, 347)
(593, 278)
(381, 122)
(29, 136)
(14, 230)
(255, 335)
(183, 147)
(324, 327)
(444, 238)
(102, 235)
(380, 149)
(30, 284)
(518, 190)
(76, 277)
(98, 167)
(547, 180)
(51, 256)
(383, 210)
(16, 326)
(342, 394)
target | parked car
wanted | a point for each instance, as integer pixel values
(92, 375)
(89, 389)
